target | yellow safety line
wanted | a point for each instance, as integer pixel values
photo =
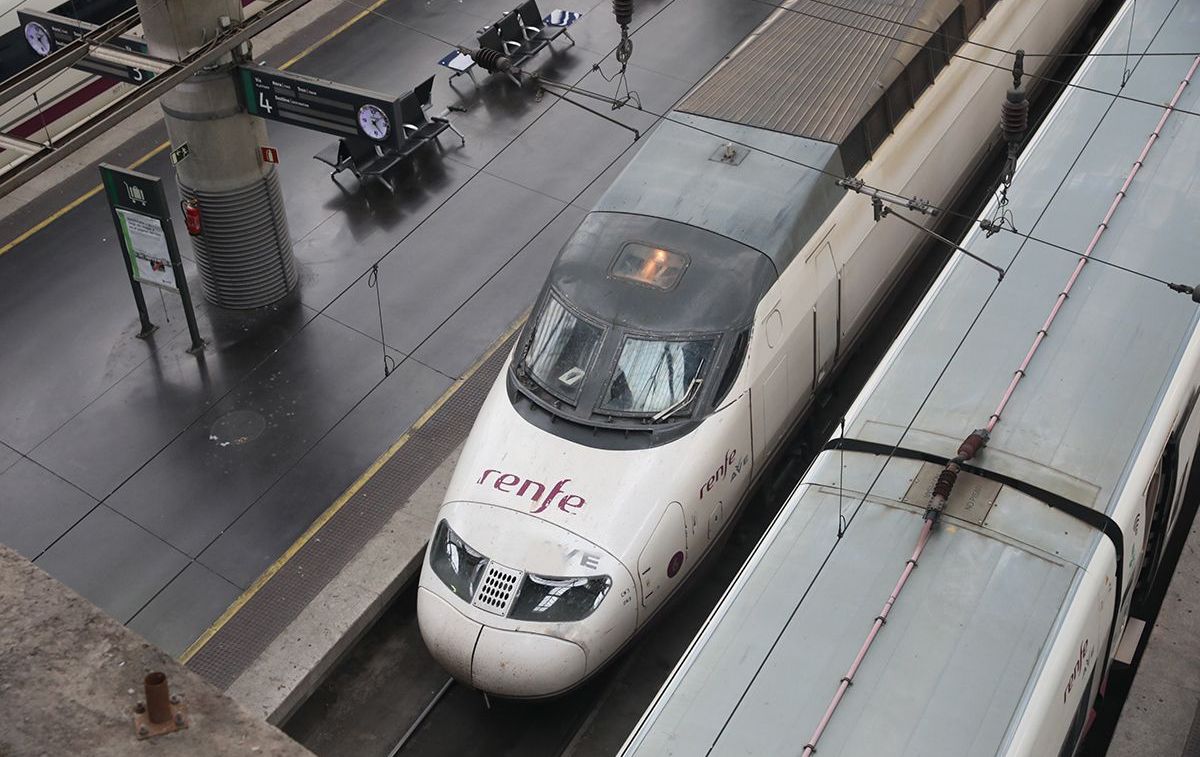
(96, 189)
(340, 502)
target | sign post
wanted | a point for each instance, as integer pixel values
(143, 221)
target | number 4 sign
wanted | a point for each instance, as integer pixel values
(269, 154)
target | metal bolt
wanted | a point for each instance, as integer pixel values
(140, 707)
(179, 718)
(175, 699)
(143, 731)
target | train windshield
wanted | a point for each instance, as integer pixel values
(561, 350)
(656, 377)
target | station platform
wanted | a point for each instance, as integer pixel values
(221, 504)
(74, 677)
(1161, 714)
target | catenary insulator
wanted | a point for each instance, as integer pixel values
(490, 60)
(972, 444)
(1014, 116)
(623, 10)
(945, 482)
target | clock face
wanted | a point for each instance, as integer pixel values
(374, 122)
(38, 38)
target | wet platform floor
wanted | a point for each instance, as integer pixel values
(161, 485)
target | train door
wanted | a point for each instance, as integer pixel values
(661, 563)
(827, 342)
(770, 395)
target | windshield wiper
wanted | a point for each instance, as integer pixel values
(670, 410)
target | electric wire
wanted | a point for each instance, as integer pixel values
(908, 427)
(888, 195)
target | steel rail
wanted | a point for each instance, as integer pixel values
(421, 718)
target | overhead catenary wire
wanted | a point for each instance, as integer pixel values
(857, 185)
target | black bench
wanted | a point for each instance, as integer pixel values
(519, 35)
(369, 160)
(538, 27)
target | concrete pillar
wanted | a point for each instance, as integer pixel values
(244, 251)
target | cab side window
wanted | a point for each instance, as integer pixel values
(736, 358)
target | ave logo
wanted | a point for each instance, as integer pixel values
(511, 483)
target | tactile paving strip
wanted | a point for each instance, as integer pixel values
(245, 636)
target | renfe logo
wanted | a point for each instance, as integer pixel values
(719, 473)
(508, 483)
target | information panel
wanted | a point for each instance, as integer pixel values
(46, 32)
(143, 221)
(145, 242)
(320, 104)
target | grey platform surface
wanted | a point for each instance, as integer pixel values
(208, 469)
(1161, 715)
(72, 677)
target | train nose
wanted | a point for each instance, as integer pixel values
(506, 663)
(516, 606)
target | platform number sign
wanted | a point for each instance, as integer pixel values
(318, 104)
(46, 32)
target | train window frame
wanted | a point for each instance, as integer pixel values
(954, 31)
(588, 369)
(733, 366)
(687, 410)
(876, 126)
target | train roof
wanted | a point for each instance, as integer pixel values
(954, 665)
(816, 70)
(760, 197)
(1075, 423)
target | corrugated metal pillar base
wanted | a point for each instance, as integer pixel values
(244, 252)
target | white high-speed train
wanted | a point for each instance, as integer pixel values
(692, 317)
(999, 618)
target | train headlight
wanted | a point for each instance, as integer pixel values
(552, 599)
(453, 560)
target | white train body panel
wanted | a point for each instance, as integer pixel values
(545, 498)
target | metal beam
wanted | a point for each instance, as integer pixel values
(65, 57)
(130, 59)
(9, 142)
(118, 110)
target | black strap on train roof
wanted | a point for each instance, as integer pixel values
(1094, 518)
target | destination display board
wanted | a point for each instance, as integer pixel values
(320, 105)
(46, 32)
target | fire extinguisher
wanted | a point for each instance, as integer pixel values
(191, 216)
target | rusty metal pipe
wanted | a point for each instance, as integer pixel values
(158, 698)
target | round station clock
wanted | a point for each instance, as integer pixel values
(374, 122)
(38, 38)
